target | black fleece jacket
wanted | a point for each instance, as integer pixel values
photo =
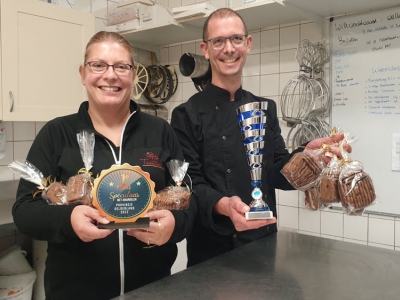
(79, 270)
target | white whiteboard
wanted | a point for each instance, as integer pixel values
(365, 87)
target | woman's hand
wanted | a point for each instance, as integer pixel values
(83, 218)
(162, 224)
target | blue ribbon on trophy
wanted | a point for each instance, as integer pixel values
(252, 121)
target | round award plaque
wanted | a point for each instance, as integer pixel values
(123, 194)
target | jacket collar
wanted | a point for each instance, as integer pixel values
(222, 94)
(85, 122)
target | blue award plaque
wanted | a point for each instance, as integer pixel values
(252, 120)
(123, 194)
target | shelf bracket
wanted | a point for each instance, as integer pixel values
(317, 19)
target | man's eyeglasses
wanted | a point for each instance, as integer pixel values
(101, 67)
(218, 43)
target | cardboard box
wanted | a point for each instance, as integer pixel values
(125, 26)
(119, 13)
(156, 15)
(133, 14)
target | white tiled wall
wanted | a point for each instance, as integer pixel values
(270, 65)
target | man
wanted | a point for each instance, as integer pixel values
(208, 130)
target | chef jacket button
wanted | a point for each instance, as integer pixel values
(224, 137)
(216, 107)
(228, 171)
(234, 236)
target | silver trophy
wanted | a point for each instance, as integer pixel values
(252, 121)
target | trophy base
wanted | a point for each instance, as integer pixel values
(139, 223)
(259, 215)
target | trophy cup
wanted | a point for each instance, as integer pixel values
(252, 120)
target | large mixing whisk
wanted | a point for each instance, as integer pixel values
(305, 100)
(308, 129)
(305, 55)
(304, 95)
(297, 99)
(321, 55)
(322, 99)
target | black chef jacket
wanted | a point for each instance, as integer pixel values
(208, 130)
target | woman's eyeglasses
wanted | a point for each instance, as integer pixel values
(101, 67)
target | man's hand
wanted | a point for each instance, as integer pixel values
(234, 208)
(333, 143)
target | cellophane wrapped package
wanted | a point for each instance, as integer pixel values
(312, 199)
(327, 183)
(52, 191)
(176, 197)
(303, 169)
(356, 189)
(79, 187)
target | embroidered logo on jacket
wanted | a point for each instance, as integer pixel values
(151, 160)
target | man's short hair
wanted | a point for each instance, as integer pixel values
(221, 13)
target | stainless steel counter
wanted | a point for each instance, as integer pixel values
(286, 266)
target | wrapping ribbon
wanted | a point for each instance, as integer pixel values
(46, 182)
(84, 171)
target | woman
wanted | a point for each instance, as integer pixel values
(83, 261)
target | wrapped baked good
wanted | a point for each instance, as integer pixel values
(303, 169)
(355, 186)
(175, 197)
(328, 182)
(172, 198)
(79, 187)
(53, 192)
(311, 200)
(356, 189)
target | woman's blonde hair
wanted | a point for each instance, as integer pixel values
(105, 36)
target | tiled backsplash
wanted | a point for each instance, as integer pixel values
(19, 137)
